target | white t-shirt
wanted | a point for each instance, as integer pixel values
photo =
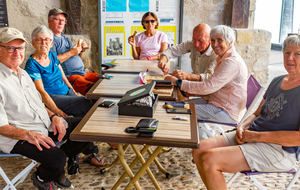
(150, 45)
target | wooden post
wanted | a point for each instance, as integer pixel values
(240, 14)
(73, 26)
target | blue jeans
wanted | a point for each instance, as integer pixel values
(72, 104)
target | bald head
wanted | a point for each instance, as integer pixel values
(202, 28)
(201, 38)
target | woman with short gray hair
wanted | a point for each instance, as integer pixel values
(269, 139)
(57, 93)
(224, 94)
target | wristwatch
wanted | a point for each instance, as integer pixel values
(53, 116)
(178, 82)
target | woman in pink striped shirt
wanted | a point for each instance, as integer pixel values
(149, 44)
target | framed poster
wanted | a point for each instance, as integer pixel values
(119, 19)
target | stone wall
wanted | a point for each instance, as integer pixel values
(26, 15)
(254, 46)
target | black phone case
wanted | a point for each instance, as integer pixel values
(107, 104)
(145, 123)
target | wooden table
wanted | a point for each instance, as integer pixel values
(118, 86)
(134, 66)
(105, 125)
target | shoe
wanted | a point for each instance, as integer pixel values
(73, 165)
(89, 160)
(113, 146)
(63, 182)
(40, 184)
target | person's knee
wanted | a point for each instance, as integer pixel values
(56, 159)
(206, 160)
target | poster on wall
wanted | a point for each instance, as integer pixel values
(114, 40)
(120, 18)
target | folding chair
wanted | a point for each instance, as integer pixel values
(12, 184)
(254, 91)
(253, 180)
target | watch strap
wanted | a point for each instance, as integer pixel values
(53, 116)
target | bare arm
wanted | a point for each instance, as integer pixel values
(284, 138)
(135, 50)
(72, 52)
(47, 99)
(84, 47)
(186, 76)
(57, 125)
(34, 138)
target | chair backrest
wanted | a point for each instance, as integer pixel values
(254, 91)
(253, 88)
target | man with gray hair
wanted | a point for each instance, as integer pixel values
(26, 126)
(70, 56)
(201, 54)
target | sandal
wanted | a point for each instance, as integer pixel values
(90, 160)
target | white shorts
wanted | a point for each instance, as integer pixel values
(264, 157)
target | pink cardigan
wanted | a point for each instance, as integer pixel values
(227, 87)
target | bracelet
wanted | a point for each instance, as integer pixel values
(53, 116)
(149, 58)
(178, 82)
(82, 51)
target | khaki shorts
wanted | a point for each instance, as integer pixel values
(264, 157)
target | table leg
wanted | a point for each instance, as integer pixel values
(104, 170)
(142, 160)
(168, 175)
(143, 168)
(134, 162)
(126, 167)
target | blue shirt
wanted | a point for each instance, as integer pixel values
(280, 111)
(50, 75)
(73, 65)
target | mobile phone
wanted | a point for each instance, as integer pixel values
(105, 76)
(183, 111)
(106, 104)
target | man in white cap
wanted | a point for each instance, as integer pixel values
(26, 126)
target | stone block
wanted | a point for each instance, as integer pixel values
(249, 49)
(264, 48)
(239, 48)
(261, 65)
(244, 36)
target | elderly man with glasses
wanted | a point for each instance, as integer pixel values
(26, 126)
(70, 56)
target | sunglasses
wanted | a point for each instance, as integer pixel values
(147, 21)
(290, 34)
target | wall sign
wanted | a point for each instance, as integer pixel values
(118, 19)
(3, 14)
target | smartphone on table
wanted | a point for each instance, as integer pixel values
(180, 111)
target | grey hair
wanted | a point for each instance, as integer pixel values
(41, 29)
(293, 39)
(225, 31)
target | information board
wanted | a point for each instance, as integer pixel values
(3, 14)
(119, 19)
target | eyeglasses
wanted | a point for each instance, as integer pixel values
(59, 20)
(147, 21)
(12, 49)
(41, 40)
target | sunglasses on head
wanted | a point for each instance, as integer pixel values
(147, 21)
(290, 34)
